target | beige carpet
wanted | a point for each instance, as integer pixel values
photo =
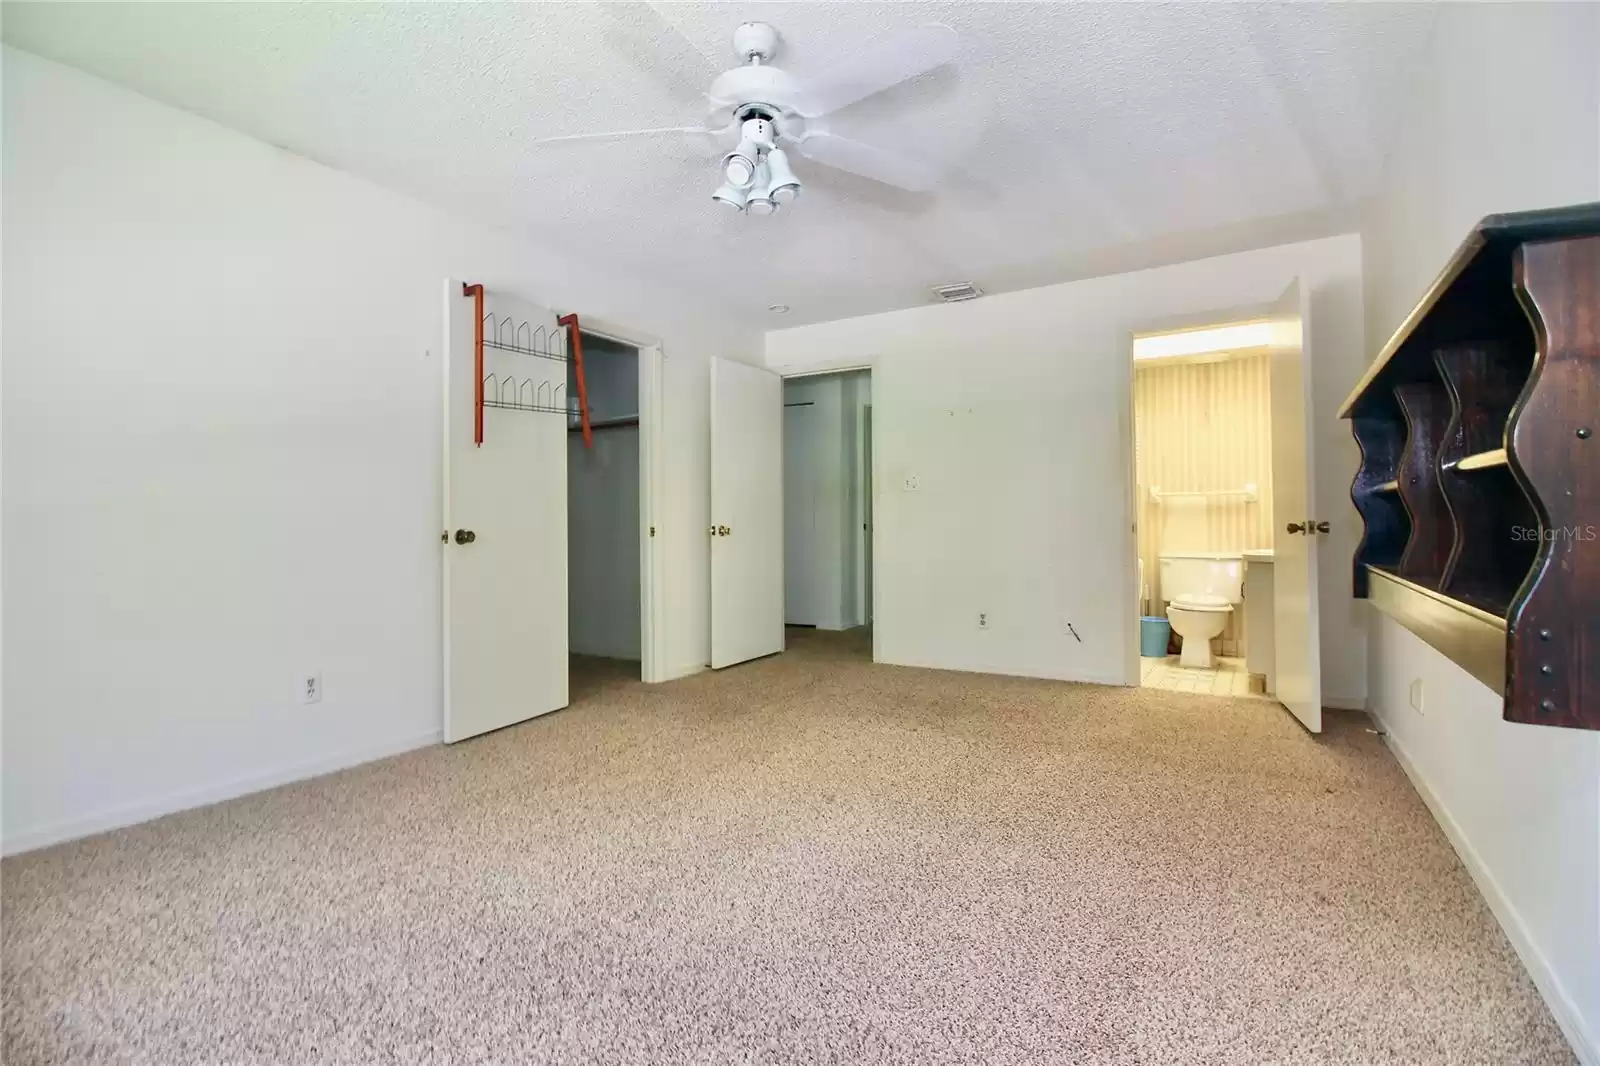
(804, 860)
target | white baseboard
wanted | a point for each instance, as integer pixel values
(133, 814)
(1037, 673)
(1345, 703)
(683, 670)
(1562, 1006)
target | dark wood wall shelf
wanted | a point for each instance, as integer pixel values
(1479, 484)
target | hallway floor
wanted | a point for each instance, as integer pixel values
(806, 859)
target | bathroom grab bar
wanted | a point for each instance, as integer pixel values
(1248, 492)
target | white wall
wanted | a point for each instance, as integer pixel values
(221, 462)
(1013, 412)
(1475, 140)
(1521, 803)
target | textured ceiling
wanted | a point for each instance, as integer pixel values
(1083, 138)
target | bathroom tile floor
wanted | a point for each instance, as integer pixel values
(1228, 678)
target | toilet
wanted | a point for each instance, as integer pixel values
(1200, 591)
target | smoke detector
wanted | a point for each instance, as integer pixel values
(954, 294)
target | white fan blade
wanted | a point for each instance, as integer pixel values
(643, 35)
(873, 69)
(617, 135)
(842, 153)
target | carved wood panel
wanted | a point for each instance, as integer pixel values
(1552, 669)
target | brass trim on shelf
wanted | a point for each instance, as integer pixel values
(1482, 460)
(1473, 639)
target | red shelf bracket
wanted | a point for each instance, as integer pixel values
(476, 292)
(571, 322)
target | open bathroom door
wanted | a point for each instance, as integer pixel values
(1296, 633)
(746, 531)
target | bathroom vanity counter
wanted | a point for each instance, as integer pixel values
(1259, 654)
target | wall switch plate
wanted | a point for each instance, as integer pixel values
(983, 621)
(311, 689)
(1416, 695)
(913, 483)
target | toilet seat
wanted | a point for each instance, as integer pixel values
(1198, 619)
(1202, 602)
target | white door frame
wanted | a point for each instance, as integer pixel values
(872, 479)
(652, 596)
(1130, 558)
(864, 502)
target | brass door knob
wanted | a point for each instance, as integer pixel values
(465, 536)
(723, 531)
(1297, 527)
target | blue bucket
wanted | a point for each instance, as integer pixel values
(1153, 634)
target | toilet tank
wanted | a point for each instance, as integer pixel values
(1211, 573)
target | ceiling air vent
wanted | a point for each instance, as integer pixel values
(952, 294)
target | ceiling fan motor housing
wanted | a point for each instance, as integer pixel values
(759, 129)
(750, 91)
(755, 41)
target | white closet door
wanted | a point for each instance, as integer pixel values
(505, 517)
(746, 531)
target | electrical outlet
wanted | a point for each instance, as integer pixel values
(311, 689)
(1416, 695)
(913, 483)
(983, 621)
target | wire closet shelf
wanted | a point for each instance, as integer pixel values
(523, 338)
(507, 391)
(511, 393)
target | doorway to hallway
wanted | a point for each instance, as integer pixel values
(827, 504)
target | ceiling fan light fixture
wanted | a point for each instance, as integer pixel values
(731, 195)
(760, 201)
(739, 165)
(782, 185)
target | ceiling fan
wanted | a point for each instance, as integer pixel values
(770, 110)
